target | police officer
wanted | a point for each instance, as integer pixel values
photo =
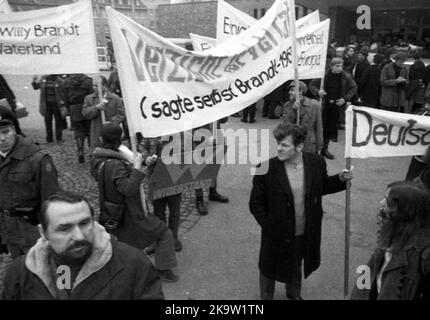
(28, 176)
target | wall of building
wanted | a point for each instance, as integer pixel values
(178, 20)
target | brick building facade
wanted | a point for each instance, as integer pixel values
(178, 20)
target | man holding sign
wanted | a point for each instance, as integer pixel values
(287, 204)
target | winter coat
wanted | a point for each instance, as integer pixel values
(369, 86)
(359, 69)
(7, 93)
(392, 95)
(407, 275)
(59, 92)
(349, 87)
(272, 205)
(414, 91)
(122, 186)
(310, 118)
(76, 88)
(114, 112)
(114, 271)
(28, 176)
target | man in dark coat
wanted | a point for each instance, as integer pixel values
(369, 87)
(119, 185)
(286, 202)
(360, 67)
(51, 104)
(339, 89)
(76, 88)
(76, 259)
(27, 177)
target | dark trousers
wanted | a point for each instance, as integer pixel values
(342, 110)
(82, 129)
(269, 107)
(330, 117)
(249, 111)
(174, 204)
(293, 287)
(53, 111)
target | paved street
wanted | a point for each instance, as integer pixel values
(220, 255)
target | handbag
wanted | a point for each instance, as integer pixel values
(111, 213)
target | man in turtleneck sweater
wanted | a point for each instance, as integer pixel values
(286, 202)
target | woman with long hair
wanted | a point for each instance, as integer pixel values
(400, 266)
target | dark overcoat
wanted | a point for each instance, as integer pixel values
(272, 205)
(121, 186)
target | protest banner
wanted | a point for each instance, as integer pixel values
(312, 41)
(372, 132)
(5, 7)
(53, 40)
(201, 43)
(231, 21)
(378, 133)
(171, 176)
(168, 89)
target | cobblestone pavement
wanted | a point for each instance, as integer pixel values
(76, 177)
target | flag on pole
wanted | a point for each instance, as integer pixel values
(372, 132)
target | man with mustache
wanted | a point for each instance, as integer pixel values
(76, 258)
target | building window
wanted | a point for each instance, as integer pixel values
(106, 28)
(95, 12)
(263, 12)
(97, 28)
(126, 2)
(103, 12)
(297, 12)
(99, 43)
(256, 13)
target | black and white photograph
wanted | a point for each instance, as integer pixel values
(214, 154)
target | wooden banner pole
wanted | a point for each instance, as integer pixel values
(347, 230)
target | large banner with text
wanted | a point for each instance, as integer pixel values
(378, 133)
(168, 89)
(54, 40)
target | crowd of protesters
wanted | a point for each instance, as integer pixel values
(112, 248)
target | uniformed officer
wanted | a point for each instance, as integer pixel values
(28, 176)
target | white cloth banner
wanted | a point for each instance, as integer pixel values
(377, 133)
(312, 38)
(54, 40)
(312, 44)
(231, 21)
(307, 20)
(168, 89)
(5, 7)
(201, 43)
